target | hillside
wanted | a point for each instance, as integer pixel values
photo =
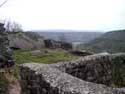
(25, 40)
(113, 41)
(70, 36)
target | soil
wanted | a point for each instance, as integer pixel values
(13, 84)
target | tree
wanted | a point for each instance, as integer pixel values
(12, 26)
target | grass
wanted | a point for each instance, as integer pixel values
(25, 56)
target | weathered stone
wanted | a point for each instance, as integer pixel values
(5, 51)
(122, 90)
(94, 68)
(118, 61)
(49, 43)
(50, 80)
(4, 43)
(21, 40)
(69, 77)
(80, 53)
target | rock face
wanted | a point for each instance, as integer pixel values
(119, 69)
(49, 43)
(69, 77)
(80, 53)
(23, 41)
(94, 68)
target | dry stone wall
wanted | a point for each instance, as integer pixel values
(93, 68)
(75, 77)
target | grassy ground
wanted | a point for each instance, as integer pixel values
(25, 56)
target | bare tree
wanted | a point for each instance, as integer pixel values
(12, 26)
(7, 25)
(16, 27)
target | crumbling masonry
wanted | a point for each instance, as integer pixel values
(88, 75)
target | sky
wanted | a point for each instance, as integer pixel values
(100, 15)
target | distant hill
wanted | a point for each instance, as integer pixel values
(25, 40)
(113, 41)
(69, 35)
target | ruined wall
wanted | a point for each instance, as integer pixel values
(118, 61)
(42, 79)
(69, 77)
(93, 68)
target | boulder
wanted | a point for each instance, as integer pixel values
(80, 53)
(20, 40)
(87, 75)
(43, 79)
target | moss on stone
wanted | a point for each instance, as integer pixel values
(119, 70)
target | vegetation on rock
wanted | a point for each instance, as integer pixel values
(119, 70)
(112, 42)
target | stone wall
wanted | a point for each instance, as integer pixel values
(118, 61)
(93, 68)
(74, 77)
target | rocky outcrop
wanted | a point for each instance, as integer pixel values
(49, 43)
(24, 41)
(93, 68)
(43, 79)
(83, 76)
(118, 61)
(80, 52)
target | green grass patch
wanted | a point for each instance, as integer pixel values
(25, 56)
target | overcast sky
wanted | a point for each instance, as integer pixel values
(101, 15)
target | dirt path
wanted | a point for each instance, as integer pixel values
(13, 84)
